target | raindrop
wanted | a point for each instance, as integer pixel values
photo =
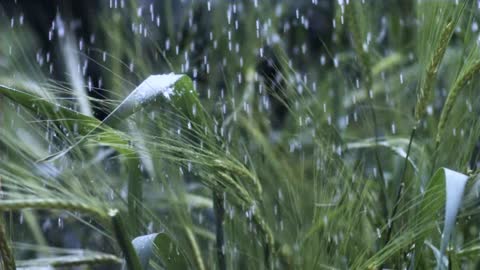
(89, 84)
(60, 223)
(430, 110)
(474, 27)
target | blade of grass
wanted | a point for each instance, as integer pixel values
(94, 258)
(455, 185)
(72, 62)
(131, 257)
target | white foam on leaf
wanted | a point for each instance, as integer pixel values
(153, 89)
(154, 86)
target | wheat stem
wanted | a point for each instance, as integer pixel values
(218, 202)
(5, 250)
(131, 257)
(195, 248)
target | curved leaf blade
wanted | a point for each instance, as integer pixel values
(162, 89)
(445, 189)
(159, 245)
(455, 185)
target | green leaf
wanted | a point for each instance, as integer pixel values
(88, 127)
(69, 118)
(444, 190)
(469, 252)
(159, 245)
(48, 109)
(72, 62)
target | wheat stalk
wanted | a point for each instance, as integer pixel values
(362, 54)
(195, 248)
(427, 85)
(121, 235)
(5, 250)
(452, 96)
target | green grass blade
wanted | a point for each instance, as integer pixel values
(131, 257)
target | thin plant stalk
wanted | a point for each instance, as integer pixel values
(426, 90)
(219, 210)
(135, 194)
(5, 250)
(196, 249)
(131, 257)
(364, 57)
(399, 188)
